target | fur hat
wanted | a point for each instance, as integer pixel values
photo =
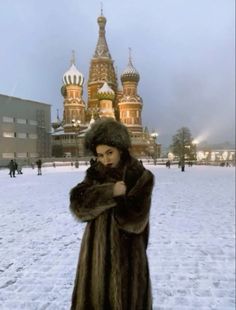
(107, 132)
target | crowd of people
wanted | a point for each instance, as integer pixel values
(15, 166)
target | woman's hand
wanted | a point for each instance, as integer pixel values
(119, 189)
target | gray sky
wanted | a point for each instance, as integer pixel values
(183, 50)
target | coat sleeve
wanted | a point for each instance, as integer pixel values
(132, 212)
(88, 200)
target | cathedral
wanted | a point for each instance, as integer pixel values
(104, 99)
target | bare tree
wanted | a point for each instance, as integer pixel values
(182, 146)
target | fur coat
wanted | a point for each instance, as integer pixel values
(113, 271)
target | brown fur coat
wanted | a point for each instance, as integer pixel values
(113, 272)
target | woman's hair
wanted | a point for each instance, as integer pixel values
(108, 132)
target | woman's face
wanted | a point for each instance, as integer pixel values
(108, 155)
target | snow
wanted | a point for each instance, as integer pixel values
(191, 249)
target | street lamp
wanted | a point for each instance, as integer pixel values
(154, 135)
(76, 126)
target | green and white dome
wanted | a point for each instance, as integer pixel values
(106, 92)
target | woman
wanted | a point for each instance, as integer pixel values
(114, 199)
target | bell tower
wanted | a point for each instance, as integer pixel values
(101, 69)
(130, 104)
(72, 91)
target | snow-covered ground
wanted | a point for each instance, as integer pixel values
(191, 249)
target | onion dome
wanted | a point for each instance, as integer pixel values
(57, 123)
(105, 92)
(101, 21)
(73, 76)
(130, 73)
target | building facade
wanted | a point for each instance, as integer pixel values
(25, 129)
(105, 99)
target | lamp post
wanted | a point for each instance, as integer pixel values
(154, 135)
(76, 126)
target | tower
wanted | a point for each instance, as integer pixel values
(101, 69)
(72, 91)
(130, 103)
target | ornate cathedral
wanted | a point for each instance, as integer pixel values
(105, 99)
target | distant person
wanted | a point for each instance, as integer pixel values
(168, 164)
(12, 167)
(19, 169)
(114, 199)
(39, 166)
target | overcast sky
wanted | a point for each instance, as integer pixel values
(183, 49)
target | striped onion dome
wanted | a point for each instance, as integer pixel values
(130, 73)
(73, 76)
(105, 92)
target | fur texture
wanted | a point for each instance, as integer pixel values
(107, 132)
(113, 272)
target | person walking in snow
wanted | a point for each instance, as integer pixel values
(39, 166)
(168, 164)
(19, 169)
(12, 167)
(114, 199)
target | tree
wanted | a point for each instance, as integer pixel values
(182, 146)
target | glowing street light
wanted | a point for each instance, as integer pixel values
(154, 135)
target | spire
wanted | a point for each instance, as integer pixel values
(58, 118)
(102, 47)
(130, 73)
(130, 61)
(130, 57)
(101, 9)
(72, 62)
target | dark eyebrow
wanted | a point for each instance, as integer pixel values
(108, 150)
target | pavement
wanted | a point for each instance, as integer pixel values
(191, 249)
